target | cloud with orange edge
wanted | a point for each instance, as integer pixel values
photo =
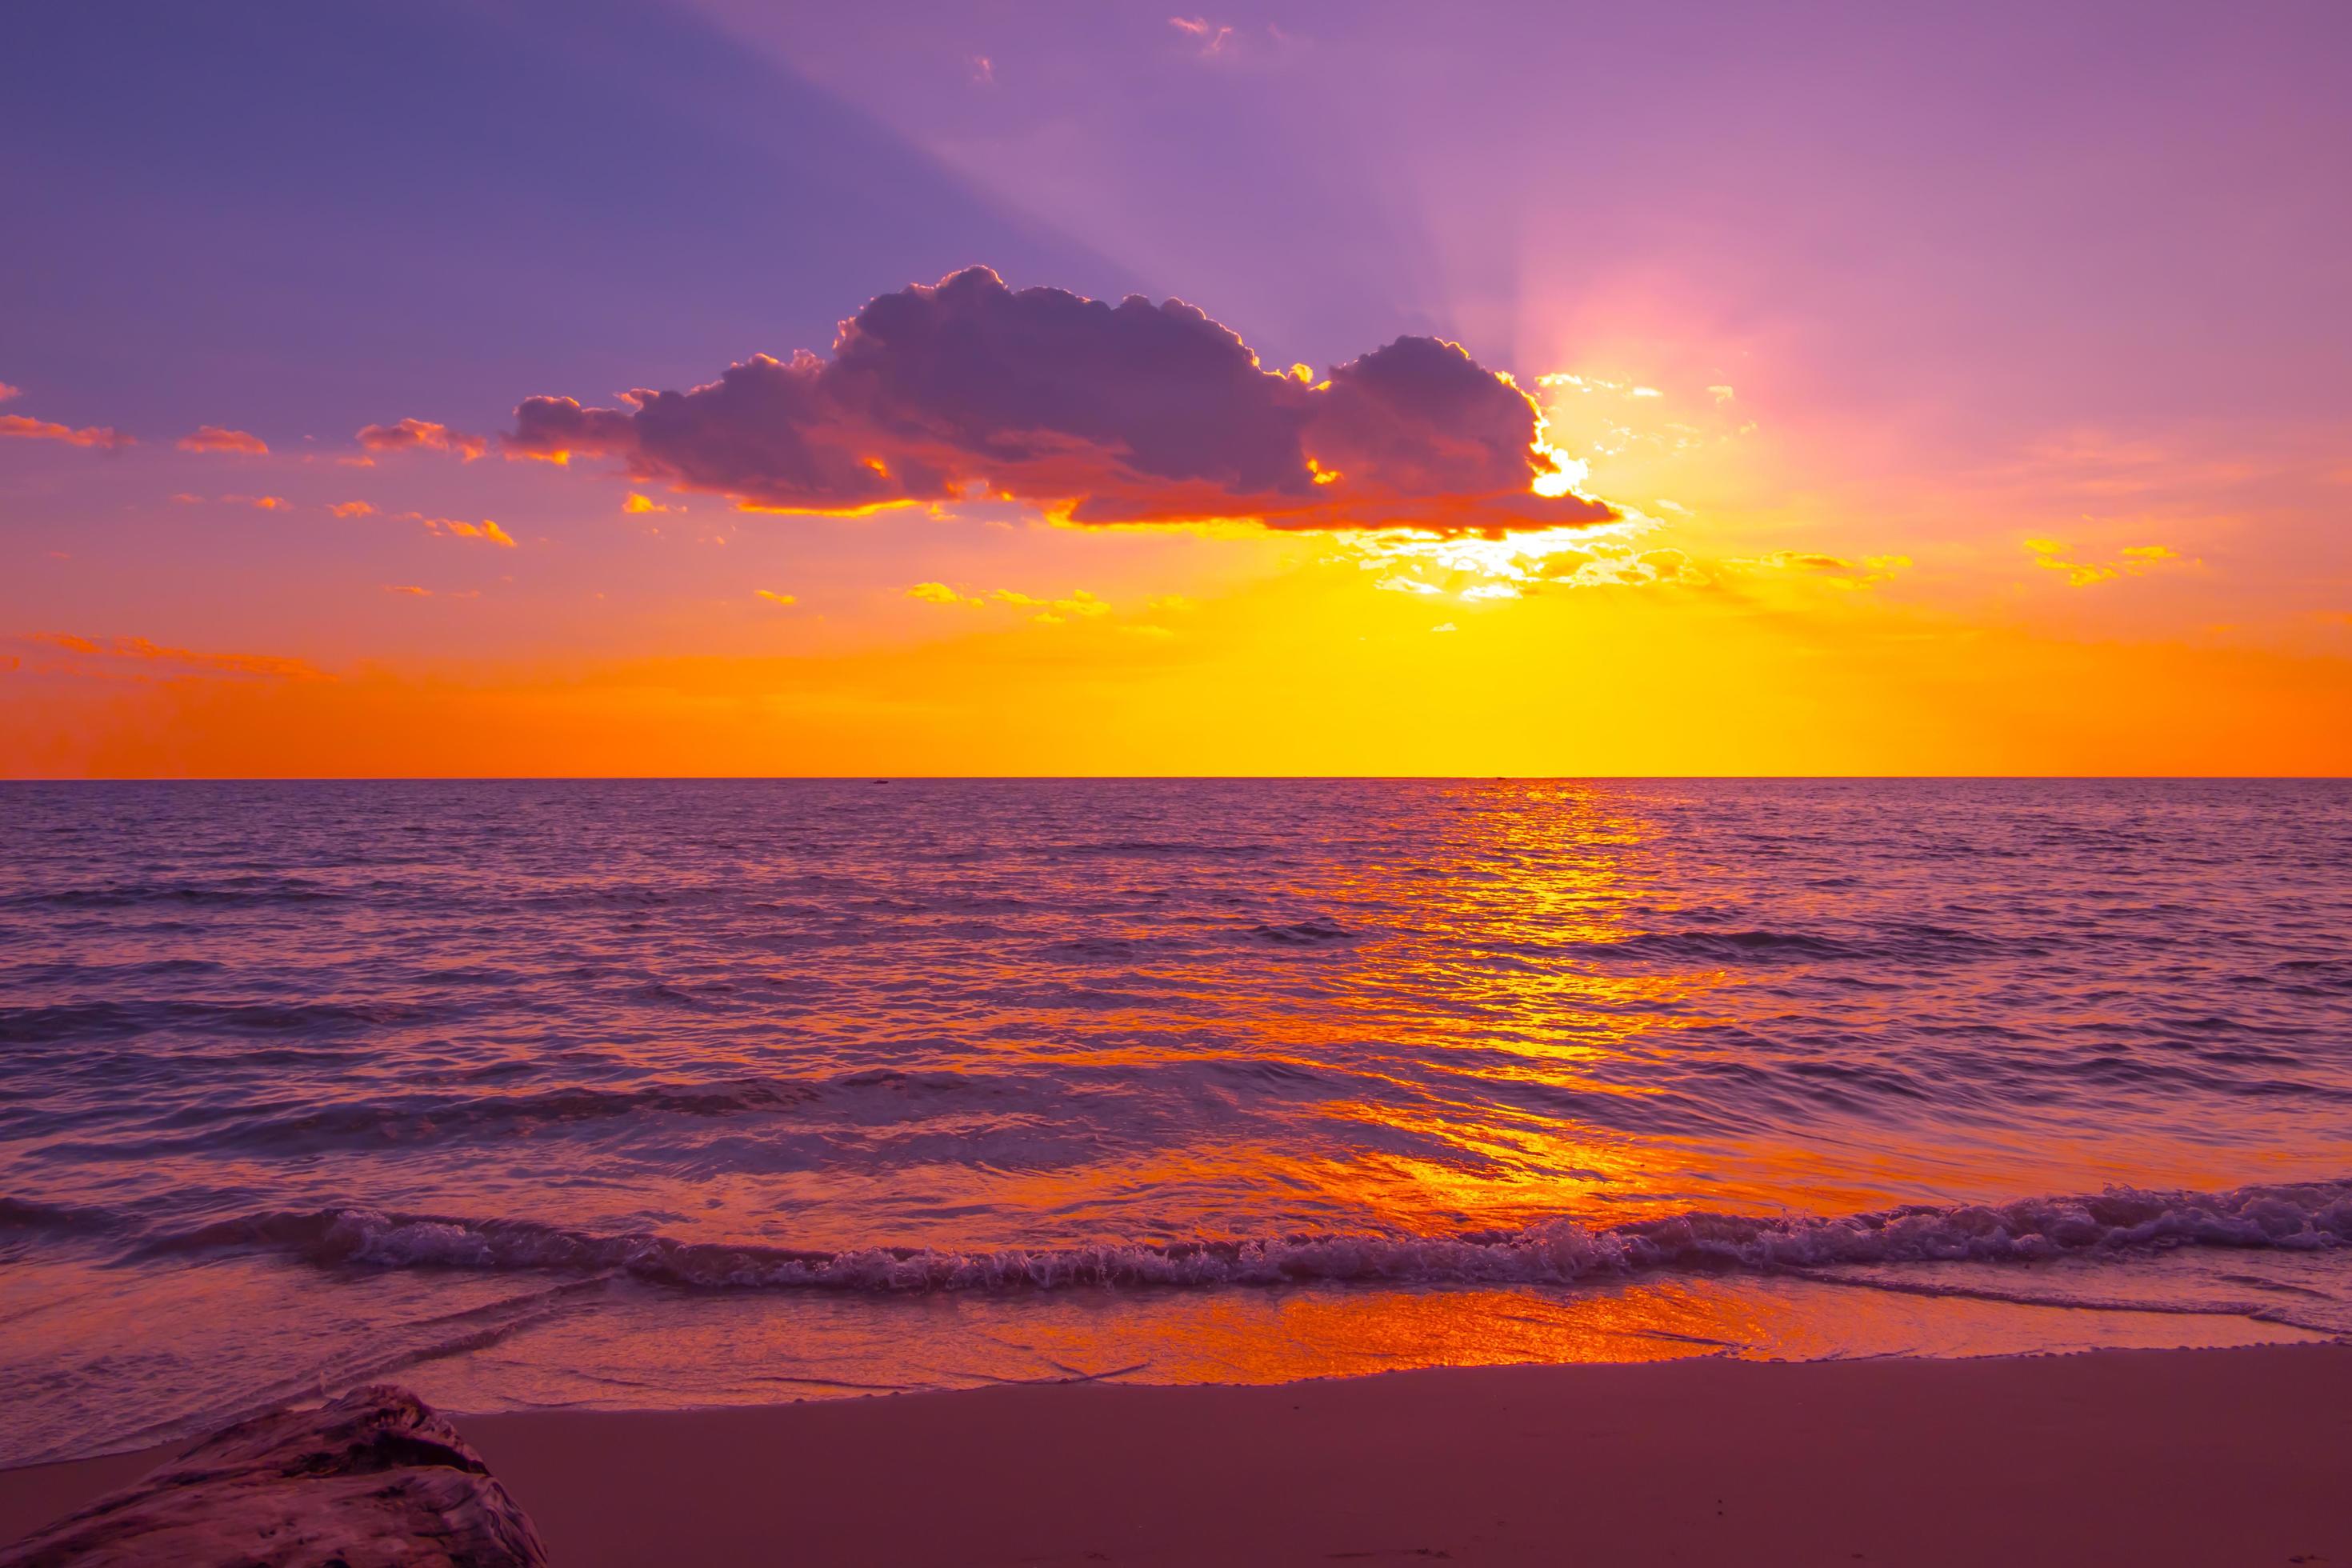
(102, 436)
(216, 439)
(457, 528)
(422, 436)
(1096, 414)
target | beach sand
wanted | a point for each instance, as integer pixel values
(2206, 1458)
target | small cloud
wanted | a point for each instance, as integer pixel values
(422, 436)
(1407, 585)
(1445, 626)
(411, 589)
(1837, 569)
(261, 503)
(938, 594)
(184, 499)
(1647, 391)
(2132, 561)
(1212, 37)
(775, 598)
(216, 439)
(7, 391)
(1080, 604)
(1721, 393)
(1491, 591)
(352, 509)
(103, 436)
(457, 528)
(983, 70)
(637, 503)
(1167, 601)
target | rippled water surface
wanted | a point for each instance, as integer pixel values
(645, 1093)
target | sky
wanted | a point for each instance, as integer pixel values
(704, 387)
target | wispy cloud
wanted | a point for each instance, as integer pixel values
(140, 656)
(1211, 37)
(2131, 561)
(1080, 605)
(102, 436)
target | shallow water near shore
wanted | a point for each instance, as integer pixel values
(680, 1093)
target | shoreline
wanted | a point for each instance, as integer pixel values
(2192, 1456)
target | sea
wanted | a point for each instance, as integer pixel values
(662, 1094)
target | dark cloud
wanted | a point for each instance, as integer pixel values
(1132, 413)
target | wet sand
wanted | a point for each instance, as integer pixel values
(2231, 1456)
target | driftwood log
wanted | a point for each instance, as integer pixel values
(375, 1480)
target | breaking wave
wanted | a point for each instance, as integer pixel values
(2310, 1218)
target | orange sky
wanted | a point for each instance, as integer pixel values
(1925, 456)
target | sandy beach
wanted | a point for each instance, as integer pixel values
(2170, 1457)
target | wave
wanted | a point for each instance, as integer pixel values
(40, 1024)
(226, 892)
(2311, 1217)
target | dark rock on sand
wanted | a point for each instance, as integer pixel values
(375, 1479)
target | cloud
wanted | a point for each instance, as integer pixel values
(137, 655)
(1080, 604)
(7, 391)
(1125, 413)
(1836, 568)
(263, 503)
(983, 70)
(456, 528)
(938, 594)
(410, 589)
(352, 509)
(2132, 561)
(422, 436)
(215, 438)
(1212, 37)
(105, 438)
(775, 598)
(637, 503)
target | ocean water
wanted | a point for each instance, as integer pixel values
(538, 1094)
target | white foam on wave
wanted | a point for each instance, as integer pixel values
(2309, 1216)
